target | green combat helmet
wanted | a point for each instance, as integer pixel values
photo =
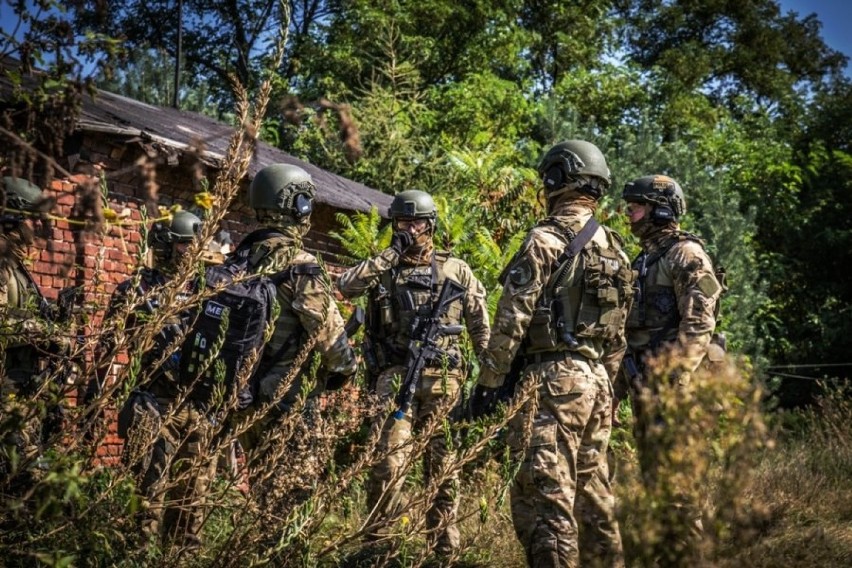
(19, 194)
(413, 204)
(283, 188)
(661, 191)
(182, 229)
(574, 161)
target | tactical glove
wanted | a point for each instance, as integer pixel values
(337, 381)
(483, 401)
(400, 241)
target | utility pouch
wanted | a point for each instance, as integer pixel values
(716, 349)
(541, 332)
(385, 311)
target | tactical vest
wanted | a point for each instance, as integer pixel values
(655, 303)
(585, 300)
(401, 294)
(161, 382)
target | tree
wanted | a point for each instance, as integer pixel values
(727, 47)
(221, 41)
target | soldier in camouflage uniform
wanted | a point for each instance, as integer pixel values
(163, 445)
(401, 281)
(282, 196)
(675, 307)
(27, 337)
(565, 298)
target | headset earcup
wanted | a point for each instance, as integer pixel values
(303, 205)
(554, 177)
(662, 215)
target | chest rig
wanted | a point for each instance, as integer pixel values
(403, 293)
(655, 302)
(587, 295)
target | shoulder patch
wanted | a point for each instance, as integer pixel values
(708, 285)
(521, 273)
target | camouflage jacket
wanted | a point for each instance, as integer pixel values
(401, 275)
(677, 293)
(19, 304)
(307, 310)
(524, 280)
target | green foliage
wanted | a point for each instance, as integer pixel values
(698, 443)
(710, 46)
(362, 234)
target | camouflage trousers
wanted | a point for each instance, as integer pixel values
(173, 463)
(384, 489)
(563, 508)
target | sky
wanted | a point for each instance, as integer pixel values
(836, 17)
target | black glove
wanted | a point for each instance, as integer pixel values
(336, 381)
(400, 241)
(483, 401)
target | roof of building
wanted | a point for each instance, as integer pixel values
(181, 130)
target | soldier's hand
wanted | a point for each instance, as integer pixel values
(401, 240)
(483, 401)
(337, 381)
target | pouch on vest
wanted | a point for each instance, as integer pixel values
(541, 331)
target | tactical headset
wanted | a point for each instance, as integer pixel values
(300, 203)
(563, 168)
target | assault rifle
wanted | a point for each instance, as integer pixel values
(423, 347)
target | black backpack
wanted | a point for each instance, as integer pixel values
(231, 325)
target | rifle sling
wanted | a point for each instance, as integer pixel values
(574, 247)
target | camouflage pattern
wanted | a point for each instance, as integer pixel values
(680, 287)
(307, 312)
(158, 436)
(562, 490)
(436, 388)
(676, 310)
(169, 454)
(19, 305)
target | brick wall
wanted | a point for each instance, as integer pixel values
(70, 253)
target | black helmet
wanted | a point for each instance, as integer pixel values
(20, 194)
(661, 191)
(574, 161)
(283, 188)
(182, 229)
(413, 204)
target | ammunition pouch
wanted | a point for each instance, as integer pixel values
(541, 334)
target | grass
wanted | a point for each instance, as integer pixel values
(775, 490)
